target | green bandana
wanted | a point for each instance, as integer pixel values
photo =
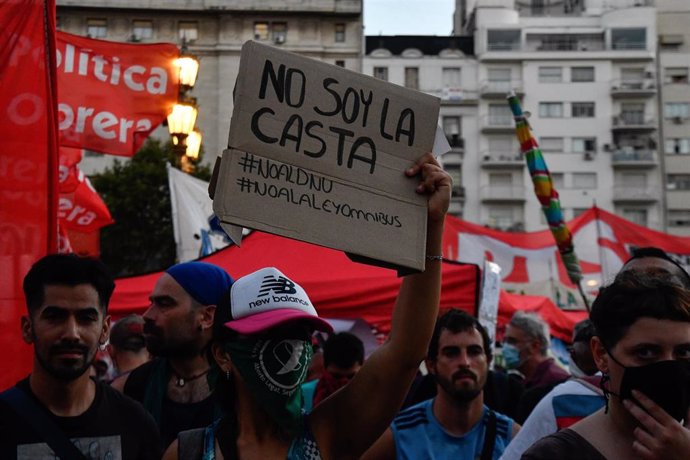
(274, 370)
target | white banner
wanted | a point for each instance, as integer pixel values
(196, 231)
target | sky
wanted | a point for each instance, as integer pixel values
(408, 17)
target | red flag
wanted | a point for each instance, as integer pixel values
(69, 175)
(28, 164)
(83, 210)
(112, 95)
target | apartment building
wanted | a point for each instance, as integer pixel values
(214, 31)
(674, 64)
(444, 67)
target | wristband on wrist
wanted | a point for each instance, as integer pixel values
(434, 257)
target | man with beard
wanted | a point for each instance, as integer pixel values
(58, 410)
(176, 386)
(456, 423)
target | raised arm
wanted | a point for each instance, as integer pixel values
(346, 424)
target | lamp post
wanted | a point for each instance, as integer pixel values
(182, 119)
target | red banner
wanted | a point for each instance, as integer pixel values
(83, 210)
(28, 165)
(69, 175)
(112, 95)
(530, 262)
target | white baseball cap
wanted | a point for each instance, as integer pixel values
(268, 298)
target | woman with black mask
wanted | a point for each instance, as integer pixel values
(642, 347)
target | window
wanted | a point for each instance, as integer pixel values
(632, 113)
(500, 115)
(503, 180)
(551, 109)
(632, 77)
(676, 75)
(188, 31)
(279, 32)
(678, 146)
(584, 144)
(629, 39)
(499, 74)
(261, 31)
(678, 181)
(451, 126)
(503, 40)
(412, 77)
(550, 74)
(585, 180)
(340, 63)
(503, 218)
(381, 73)
(97, 28)
(557, 179)
(636, 216)
(501, 145)
(551, 144)
(142, 30)
(678, 217)
(58, 22)
(634, 180)
(582, 74)
(340, 32)
(677, 110)
(582, 109)
(451, 77)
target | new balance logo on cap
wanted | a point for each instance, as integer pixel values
(279, 285)
(267, 298)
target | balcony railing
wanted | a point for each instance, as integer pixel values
(500, 87)
(633, 120)
(629, 193)
(498, 122)
(499, 160)
(635, 88)
(503, 193)
(635, 158)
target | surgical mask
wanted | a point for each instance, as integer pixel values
(575, 371)
(511, 356)
(667, 383)
(273, 370)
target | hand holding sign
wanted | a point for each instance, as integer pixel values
(436, 183)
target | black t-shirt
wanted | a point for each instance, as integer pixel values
(564, 445)
(174, 416)
(115, 427)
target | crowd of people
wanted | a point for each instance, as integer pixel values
(217, 368)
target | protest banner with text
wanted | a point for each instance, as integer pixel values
(318, 153)
(112, 95)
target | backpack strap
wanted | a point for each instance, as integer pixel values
(27, 409)
(489, 437)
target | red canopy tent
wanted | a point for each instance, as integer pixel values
(560, 321)
(338, 287)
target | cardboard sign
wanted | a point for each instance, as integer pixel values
(318, 153)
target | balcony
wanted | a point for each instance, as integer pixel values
(565, 42)
(633, 121)
(634, 89)
(498, 124)
(457, 143)
(492, 160)
(500, 88)
(452, 95)
(503, 193)
(632, 194)
(634, 159)
(458, 193)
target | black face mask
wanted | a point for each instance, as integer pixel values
(667, 383)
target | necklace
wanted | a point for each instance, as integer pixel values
(181, 381)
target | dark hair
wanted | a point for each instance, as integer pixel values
(584, 331)
(67, 270)
(634, 295)
(457, 321)
(650, 251)
(344, 350)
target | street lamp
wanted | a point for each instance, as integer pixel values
(180, 124)
(182, 119)
(188, 69)
(193, 145)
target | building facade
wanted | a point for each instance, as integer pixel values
(214, 31)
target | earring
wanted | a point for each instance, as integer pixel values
(227, 374)
(603, 384)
